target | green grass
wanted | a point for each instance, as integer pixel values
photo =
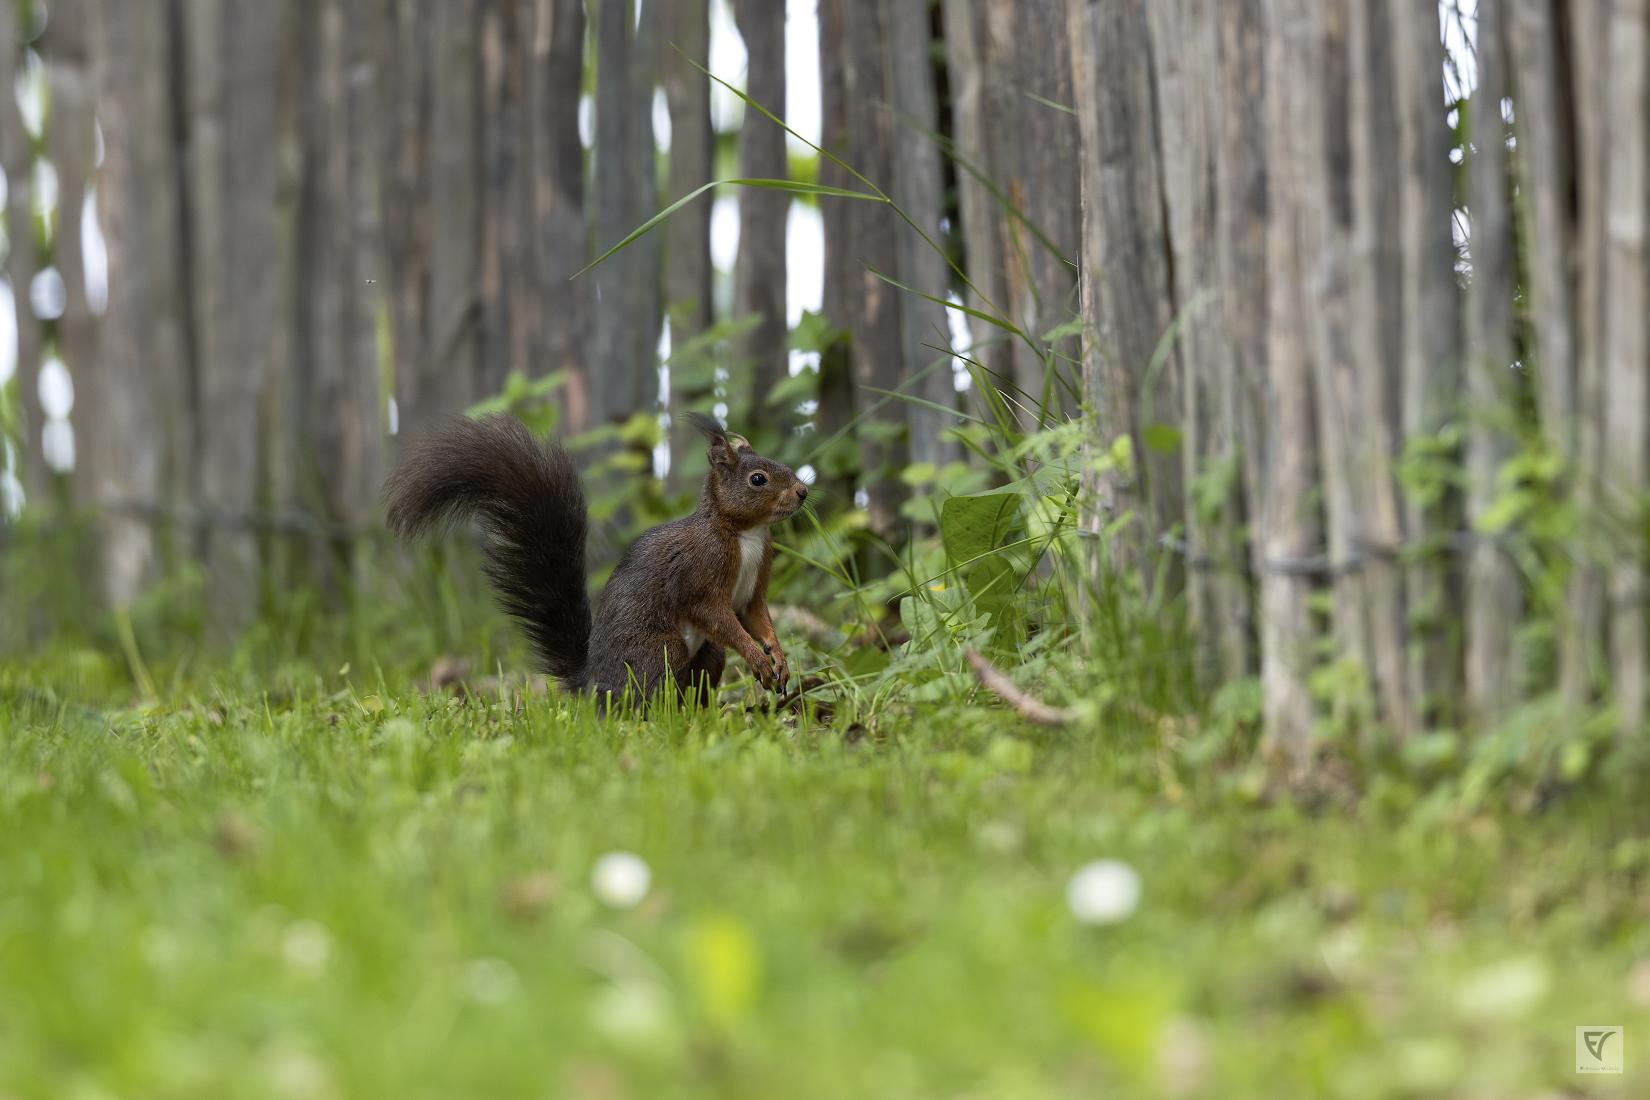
(352, 889)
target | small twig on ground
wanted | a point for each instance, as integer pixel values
(792, 700)
(1030, 708)
(805, 685)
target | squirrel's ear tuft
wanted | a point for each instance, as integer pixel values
(724, 446)
(707, 426)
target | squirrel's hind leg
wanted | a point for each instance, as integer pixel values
(701, 676)
(647, 667)
(642, 672)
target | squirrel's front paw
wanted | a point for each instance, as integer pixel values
(764, 668)
(780, 670)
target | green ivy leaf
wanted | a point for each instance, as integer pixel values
(919, 473)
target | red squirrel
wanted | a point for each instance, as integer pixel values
(684, 594)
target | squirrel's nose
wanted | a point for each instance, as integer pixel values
(801, 491)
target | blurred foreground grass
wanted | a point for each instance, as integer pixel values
(352, 889)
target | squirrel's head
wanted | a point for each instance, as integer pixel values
(750, 490)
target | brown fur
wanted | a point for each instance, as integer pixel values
(677, 578)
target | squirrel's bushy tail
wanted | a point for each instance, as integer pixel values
(528, 502)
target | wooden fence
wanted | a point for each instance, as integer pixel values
(1372, 314)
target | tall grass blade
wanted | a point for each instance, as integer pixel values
(797, 186)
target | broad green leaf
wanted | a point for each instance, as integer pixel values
(919, 473)
(976, 524)
(1162, 438)
(796, 388)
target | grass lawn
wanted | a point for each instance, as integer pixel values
(357, 890)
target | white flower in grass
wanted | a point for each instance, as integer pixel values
(621, 879)
(306, 946)
(1103, 892)
(490, 981)
(634, 1013)
(290, 1069)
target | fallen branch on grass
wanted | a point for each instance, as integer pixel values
(1032, 709)
(792, 700)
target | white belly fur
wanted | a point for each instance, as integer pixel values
(750, 561)
(751, 545)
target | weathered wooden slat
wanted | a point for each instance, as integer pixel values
(17, 159)
(1128, 295)
(917, 184)
(759, 274)
(1625, 349)
(854, 43)
(1185, 61)
(1289, 528)
(1378, 320)
(688, 275)
(1431, 352)
(1493, 597)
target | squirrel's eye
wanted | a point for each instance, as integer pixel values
(759, 478)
